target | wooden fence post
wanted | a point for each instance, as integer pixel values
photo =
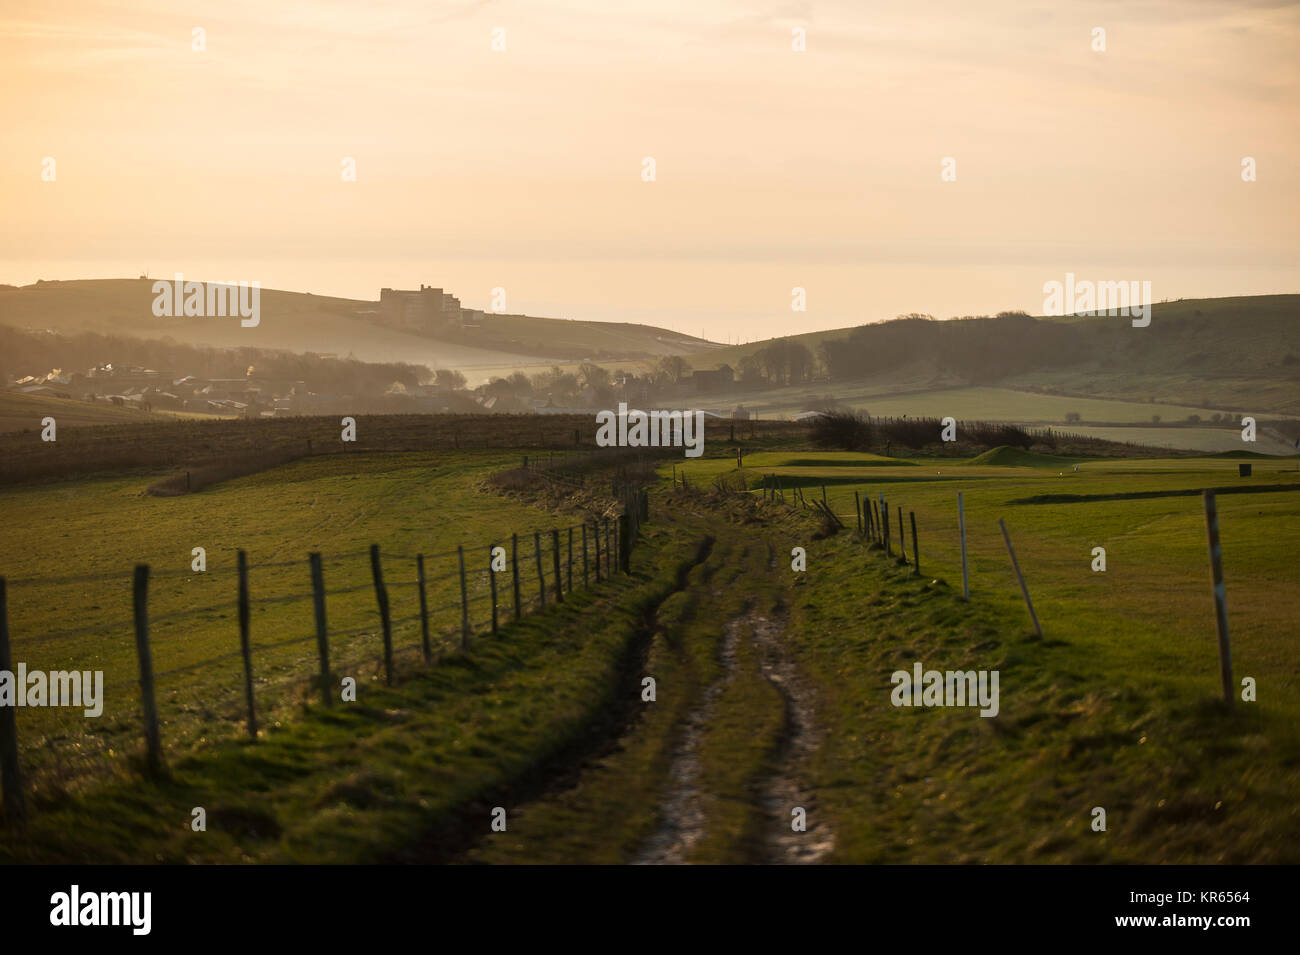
(492, 580)
(961, 527)
(514, 564)
(609, 551)
(902, 536)
(140, 602)
(541, 578)
(1220, 599)
(385, 620)
(569, 572)
(424, 608)
(11, 780)
(1020, 577)
(625, 544)
(586, 583)
(464, 599)
(885, 532)
(916, 554)
(322, 639)
(555, 564)
(857, 510)
(245, 644)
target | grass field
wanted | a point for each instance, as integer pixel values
(1114, 707)
(773, 685)
(964, 404)
(409, 504)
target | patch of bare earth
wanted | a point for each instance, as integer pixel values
(785, 790)
(682, 814)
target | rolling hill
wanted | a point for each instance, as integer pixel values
(1239, 354)
(303, 322)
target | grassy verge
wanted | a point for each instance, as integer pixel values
(1080, 727)
(358, 782)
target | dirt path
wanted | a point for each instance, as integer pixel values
(785, 789)
(714, 779)
(683, 812)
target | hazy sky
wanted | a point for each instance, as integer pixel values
(523, 168)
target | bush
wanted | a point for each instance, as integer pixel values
(843, 430)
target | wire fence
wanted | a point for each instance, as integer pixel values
(887, 528)
(295, 629)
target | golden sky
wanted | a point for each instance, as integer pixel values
(522, 168)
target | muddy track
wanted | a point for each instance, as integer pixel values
(682, 818)
(785, 789)
(466, 826)
(682, 813)
(800, 737)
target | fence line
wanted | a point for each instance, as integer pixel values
(872, 524)
(477, 587)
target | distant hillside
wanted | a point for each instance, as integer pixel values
(19, 412)
(1241, 352)
(303, 322)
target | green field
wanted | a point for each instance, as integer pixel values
(964, 404)
(409, 504)
(773, 685)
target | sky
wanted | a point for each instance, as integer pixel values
(522, 168)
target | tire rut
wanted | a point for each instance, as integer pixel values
(456, 837)
(682, 811)
(786, 789)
